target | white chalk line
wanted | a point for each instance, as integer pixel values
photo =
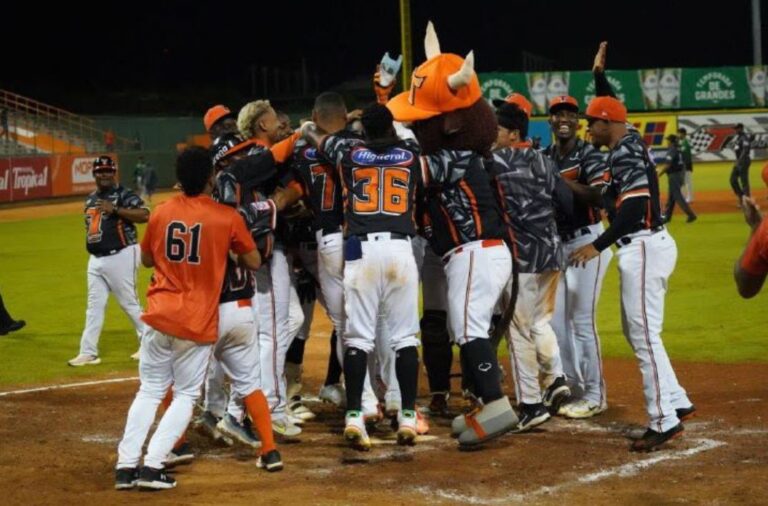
(622, 471)
(68, 385)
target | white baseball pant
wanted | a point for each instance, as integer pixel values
(477, 274)
(164, 361)
(575, 320)
(531, 338)
(645, 265)
(117, 274)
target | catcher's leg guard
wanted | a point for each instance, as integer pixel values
(492, 420)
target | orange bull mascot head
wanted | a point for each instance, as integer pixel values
(445, 105)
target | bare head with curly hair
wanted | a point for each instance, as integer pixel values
(258, 120)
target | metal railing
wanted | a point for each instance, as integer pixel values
(49, 124)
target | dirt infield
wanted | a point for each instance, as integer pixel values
(58, 447)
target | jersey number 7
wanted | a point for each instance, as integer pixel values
(179, 238)
(380, 190)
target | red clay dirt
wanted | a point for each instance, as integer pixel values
(58, 447)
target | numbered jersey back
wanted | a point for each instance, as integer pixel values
(190, 239)
(379, 186)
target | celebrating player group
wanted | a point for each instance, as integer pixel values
(433, 190)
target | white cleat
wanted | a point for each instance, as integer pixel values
(81, 360)
(582, 409)
(334, 394)
(136, 355)
(355, 432)
(406, 427)
(285, 428)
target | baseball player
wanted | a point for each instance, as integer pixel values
(380, 183)
(752, 266)
(319, 181)
(582, 167)
(187, 241)
(673, 166)
(220, 120)
(646, 258)
(740, 172)
(527, 185)
(463, 223)
(110, 238)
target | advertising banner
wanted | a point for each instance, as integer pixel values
(712, 136)
(641, 90)
(24, 178)
(72, 174)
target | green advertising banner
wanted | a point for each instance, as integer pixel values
(640, 90)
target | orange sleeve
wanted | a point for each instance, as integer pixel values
(283, 149)
(755, 259)
(241, 241)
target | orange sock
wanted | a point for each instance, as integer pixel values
(258, 409)
(167, 402)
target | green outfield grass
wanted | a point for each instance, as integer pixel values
(43, 281)
(715, 176)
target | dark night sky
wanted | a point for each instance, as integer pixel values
(171, 45)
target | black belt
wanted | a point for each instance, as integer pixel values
(623, 241)
(329, 231)
(575, 233)
(392, 235)
(107, 253)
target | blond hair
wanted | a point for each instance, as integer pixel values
(249, 115)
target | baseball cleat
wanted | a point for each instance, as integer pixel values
(136, 355)
(422, 424)
(298, 409)
(372, 417)
(126, 478)
(12, 327)
(355, 432)
(81, 360)
(272, 462)
(333, 394)
(285, 428)
(684, 414)
(652, 440)
(392, 408)
(406, 427)
(180, 456)
(239, 431)
(154, 479)
(438, 405)
(582, 409)
(485, 423)
(207, 425)
(556, 395)
(532, 415)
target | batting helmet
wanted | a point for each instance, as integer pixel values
(104, 163)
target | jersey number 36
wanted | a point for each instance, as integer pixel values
(380, 190)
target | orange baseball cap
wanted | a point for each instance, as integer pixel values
(214, 114)
(607, 108)
(564, 102)
(518, 99)
(430, 93)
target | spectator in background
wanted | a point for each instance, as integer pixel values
(5, 134)
(685, 150)
(138, 176)
(674, 167)
(8, 324)
(109, 140)
(150, 181)
(740, 172)
(752, 266)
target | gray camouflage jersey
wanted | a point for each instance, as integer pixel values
(526, 182)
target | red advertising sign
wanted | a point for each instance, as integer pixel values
(25, 179)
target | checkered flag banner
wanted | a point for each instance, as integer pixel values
(700, 140)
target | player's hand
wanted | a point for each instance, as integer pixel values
(306, 287)
(599, 64)
(581, 256)
(752, 214)
(105, 206)
(354, 115)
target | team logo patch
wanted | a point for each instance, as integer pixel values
(310, 154)
(392, 156)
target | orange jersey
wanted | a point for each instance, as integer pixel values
(189, 239)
